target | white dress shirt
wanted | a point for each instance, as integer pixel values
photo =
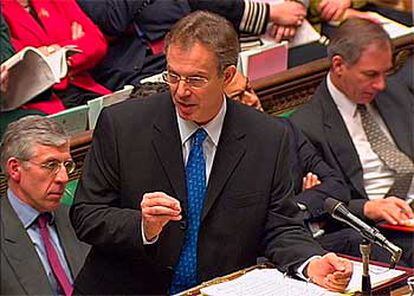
(378, 178)
(213, 129)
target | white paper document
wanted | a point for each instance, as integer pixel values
(393, 28)
(271, 282)
(265, 282)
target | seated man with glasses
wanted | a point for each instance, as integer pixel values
(40, 254)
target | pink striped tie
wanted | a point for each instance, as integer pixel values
(53, 257)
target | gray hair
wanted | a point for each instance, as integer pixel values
(211, 30)
(354, 36)
(21, 135)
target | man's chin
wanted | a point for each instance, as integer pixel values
(366, 99)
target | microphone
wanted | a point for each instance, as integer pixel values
(339, 211)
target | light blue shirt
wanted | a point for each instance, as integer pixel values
(28, 216)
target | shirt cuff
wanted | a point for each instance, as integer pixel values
(144, 239)
(255, 17)
(300, 271)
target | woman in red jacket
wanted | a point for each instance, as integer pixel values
(49, 25)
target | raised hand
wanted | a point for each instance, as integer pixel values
(158, 209)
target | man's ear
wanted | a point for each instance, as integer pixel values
(229, 74)
(338, 65)
(14, 168)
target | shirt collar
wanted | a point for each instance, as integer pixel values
(213, 127)
(345, 105)
(26, 213)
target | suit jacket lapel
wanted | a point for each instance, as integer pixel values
(401, 130)
(167, 144)
(340, 141)
(21, 254)
(68, 240)
(230, 151)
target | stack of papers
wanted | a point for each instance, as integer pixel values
(271, 282)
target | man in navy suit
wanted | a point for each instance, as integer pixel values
(133, 202)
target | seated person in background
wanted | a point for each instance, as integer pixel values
(40, 254)
(195, 212)
(48, 25)
(136, 31)
(7, 51)
(363, 129)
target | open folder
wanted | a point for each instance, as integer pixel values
(262, 61)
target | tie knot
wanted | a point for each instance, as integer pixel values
(361, 108)
(43, 219)
(199, 136)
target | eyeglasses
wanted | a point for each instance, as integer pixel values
(53, 166)
(191, 81)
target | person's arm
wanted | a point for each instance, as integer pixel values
(309, 160)
(113, 17)
(253, 17)
(96, 214)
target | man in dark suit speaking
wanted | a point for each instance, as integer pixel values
(362, 123)
(183, 187)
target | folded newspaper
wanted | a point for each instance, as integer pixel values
(30, 72)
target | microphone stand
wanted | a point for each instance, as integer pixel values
(365, 249)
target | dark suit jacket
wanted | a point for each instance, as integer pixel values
(322, 123)
(405, 75)
(22, 271)
(248, 207)
(304, 158)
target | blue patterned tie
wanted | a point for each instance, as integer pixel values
(185, 274)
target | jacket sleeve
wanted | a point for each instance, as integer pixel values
(113, 17)
(245, 15)
(286, 241)
(96, 214)
(309, 160)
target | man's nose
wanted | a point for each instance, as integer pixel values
(380, 83)
(182, 89)
(62, 175)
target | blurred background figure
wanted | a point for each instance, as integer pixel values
(49, 25)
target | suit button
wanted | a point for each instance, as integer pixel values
(183, 225)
